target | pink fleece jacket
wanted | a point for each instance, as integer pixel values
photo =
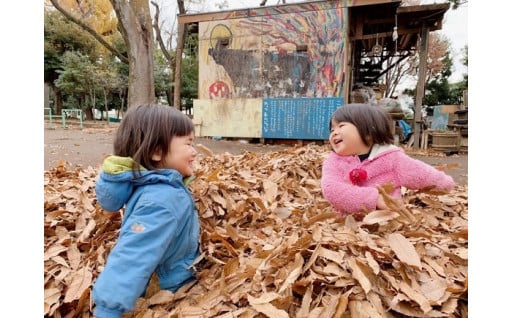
(386, 164)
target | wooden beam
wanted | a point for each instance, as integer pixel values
(401, 31)
(440, 7)
(358, 21)
(278, 9)
(420, 87)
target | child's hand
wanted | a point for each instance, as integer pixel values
(392, 203)
(381, 203)
(386, 201)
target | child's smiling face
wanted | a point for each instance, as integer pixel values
(181, 155)
(345, 140)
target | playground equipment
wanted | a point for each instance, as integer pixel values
(77, 113)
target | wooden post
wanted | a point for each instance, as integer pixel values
(420, 87)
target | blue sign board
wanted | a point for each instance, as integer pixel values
(298, 118)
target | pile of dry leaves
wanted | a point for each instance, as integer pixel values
(271, 246)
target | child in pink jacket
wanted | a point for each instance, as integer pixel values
(363, 157)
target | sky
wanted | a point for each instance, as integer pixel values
(455, 28)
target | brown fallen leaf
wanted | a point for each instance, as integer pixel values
(404, 250)
(271, 246)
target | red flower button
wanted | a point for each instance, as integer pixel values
(358, 176)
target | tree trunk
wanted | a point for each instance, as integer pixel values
(58, 100)
(92, 105)
(169, 95)
(105, 102)
(89, 114)
(136, 27)
(122, 94)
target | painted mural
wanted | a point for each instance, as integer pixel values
(274, 55)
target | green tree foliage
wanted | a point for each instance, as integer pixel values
(438, 90)
(189, 74)
(77, 76)
(94, 17)
(134, 23)
(190, 71)
(465, 63)
(119, 101)
(61, 36)
(97, 18)
(107, 80)
(162, 74)
(85, 74)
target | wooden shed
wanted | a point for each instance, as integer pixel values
(278, 72)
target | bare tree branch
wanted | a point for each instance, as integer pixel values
(90, 31)
(159, 38)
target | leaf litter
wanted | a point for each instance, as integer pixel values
(271, 245)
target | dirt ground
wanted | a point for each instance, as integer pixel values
(88, 146)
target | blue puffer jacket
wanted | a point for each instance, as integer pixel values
(159, 232)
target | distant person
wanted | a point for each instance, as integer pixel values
(363, 157)
(406, 131)
(153, 153)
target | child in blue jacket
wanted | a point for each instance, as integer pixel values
(153, 154)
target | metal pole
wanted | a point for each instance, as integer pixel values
(49, 116)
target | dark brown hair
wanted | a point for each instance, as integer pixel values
(372, 122)
(145, 129)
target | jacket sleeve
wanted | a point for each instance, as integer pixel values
(416, 174)
(344, 196)
(143, 240)
(112, 198)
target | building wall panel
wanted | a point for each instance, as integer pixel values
(228, 118)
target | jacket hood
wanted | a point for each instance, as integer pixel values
(379, 149)
(116, 181)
